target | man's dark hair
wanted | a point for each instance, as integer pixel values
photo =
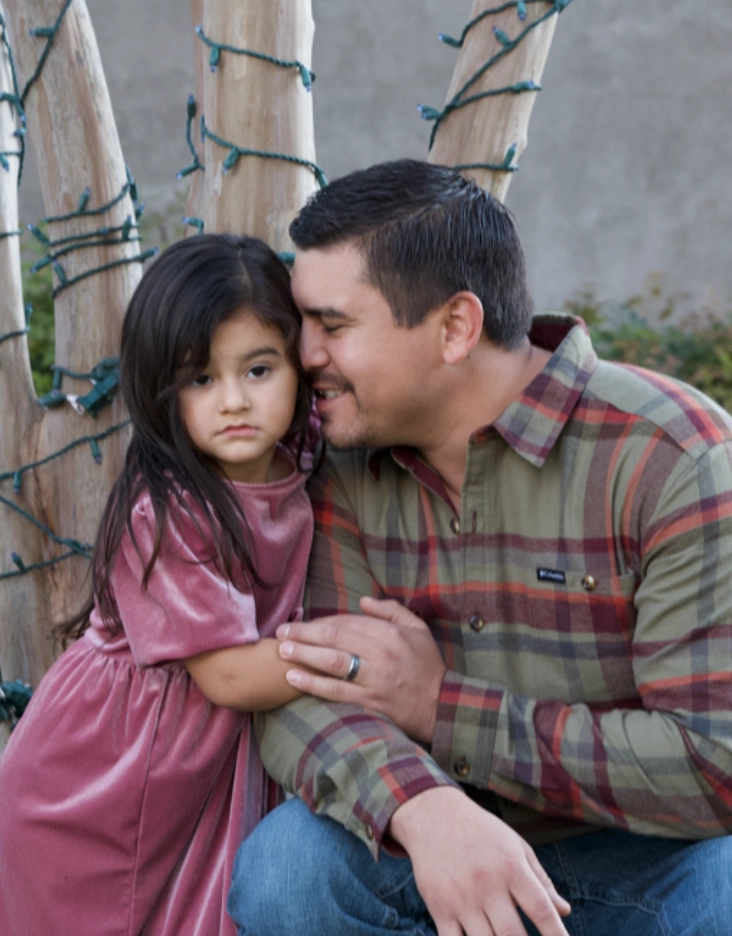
(426, 233)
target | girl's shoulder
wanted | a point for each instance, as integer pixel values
(182, 520)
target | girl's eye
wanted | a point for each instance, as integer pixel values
(201, 380)
(259, 370)
(331, 329)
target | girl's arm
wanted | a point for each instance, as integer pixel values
(247, 678)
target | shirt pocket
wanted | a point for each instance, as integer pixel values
(584, 624)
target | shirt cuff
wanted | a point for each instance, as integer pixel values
(394, 783)
(465, 728)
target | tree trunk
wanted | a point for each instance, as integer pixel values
(484, 131)
(71, 125)
(22, 648)
(258, 105)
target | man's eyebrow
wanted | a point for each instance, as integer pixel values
(326, 312)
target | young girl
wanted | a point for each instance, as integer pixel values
(132, 777)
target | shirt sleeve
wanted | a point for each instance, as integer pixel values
(187, 607)
(663, 766)
(354, 767)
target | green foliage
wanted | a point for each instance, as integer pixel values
(37, 290)
(697, 351)
(161, 227)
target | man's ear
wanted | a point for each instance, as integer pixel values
(462, 326)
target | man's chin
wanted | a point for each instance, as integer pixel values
(346, 439)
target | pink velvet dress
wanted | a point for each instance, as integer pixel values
(125, 792)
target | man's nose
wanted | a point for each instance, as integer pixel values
(312, 350)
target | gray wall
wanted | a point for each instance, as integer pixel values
(629, 145)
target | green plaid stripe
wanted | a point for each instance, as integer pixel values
(583, 607)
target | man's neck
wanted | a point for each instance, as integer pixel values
(493, 379)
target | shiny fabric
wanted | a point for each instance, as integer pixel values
(125, 792)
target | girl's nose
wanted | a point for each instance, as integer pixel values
(234, 395)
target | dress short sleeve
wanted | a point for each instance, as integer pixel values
(187, 607)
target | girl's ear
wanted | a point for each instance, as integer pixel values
(462, 326)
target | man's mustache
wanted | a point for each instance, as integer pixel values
(325, 381)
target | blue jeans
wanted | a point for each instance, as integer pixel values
(303, 875)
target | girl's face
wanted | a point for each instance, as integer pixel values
(243, 403)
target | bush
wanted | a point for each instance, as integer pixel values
(697, 351)
(162, 227)
(37, 290)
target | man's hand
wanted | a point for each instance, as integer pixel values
(401, 668)
(472, 870)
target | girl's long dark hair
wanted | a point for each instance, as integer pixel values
(166, 336)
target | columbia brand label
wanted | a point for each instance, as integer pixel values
(551, 575)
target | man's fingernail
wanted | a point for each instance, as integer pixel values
(293, 677)
(283, 631)
(286, 649)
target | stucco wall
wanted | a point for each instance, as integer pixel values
(629, 146)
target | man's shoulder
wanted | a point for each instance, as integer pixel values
(686, 415)
(348, 470)
(358, 478)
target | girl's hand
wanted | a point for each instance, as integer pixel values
(401, 669)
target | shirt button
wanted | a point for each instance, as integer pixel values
(462, 767)
(589, 583)
(369, 833)
(455, 525)
(476, 622)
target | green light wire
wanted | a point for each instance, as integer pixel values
(507, 46)
(124, 229)
(49, 34)
(236, 151)
(105, 380)
(14, 699)
(196, 164)
(18, 473)
(23, 569)
(217, 48)
(21, 331)
(95, 238)
(19, 98)
(65, 283)
(197, 223)
(520, 10)
(15, 100)
(307, 77)
(506, 166)
(83, 212)
(75, 547)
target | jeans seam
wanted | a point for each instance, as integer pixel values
(392, 886)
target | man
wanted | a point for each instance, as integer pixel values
(522, 563)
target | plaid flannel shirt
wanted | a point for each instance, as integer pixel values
(582, 602)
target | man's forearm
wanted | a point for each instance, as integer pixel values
(354, 767)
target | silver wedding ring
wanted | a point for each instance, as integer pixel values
(353, 667)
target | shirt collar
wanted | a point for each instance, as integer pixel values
(532, 423)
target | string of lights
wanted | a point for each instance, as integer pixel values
(217, 48)
(236, 151)
(507, 45)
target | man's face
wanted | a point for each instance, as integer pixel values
(370, 376)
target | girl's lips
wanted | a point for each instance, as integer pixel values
(243, 430)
